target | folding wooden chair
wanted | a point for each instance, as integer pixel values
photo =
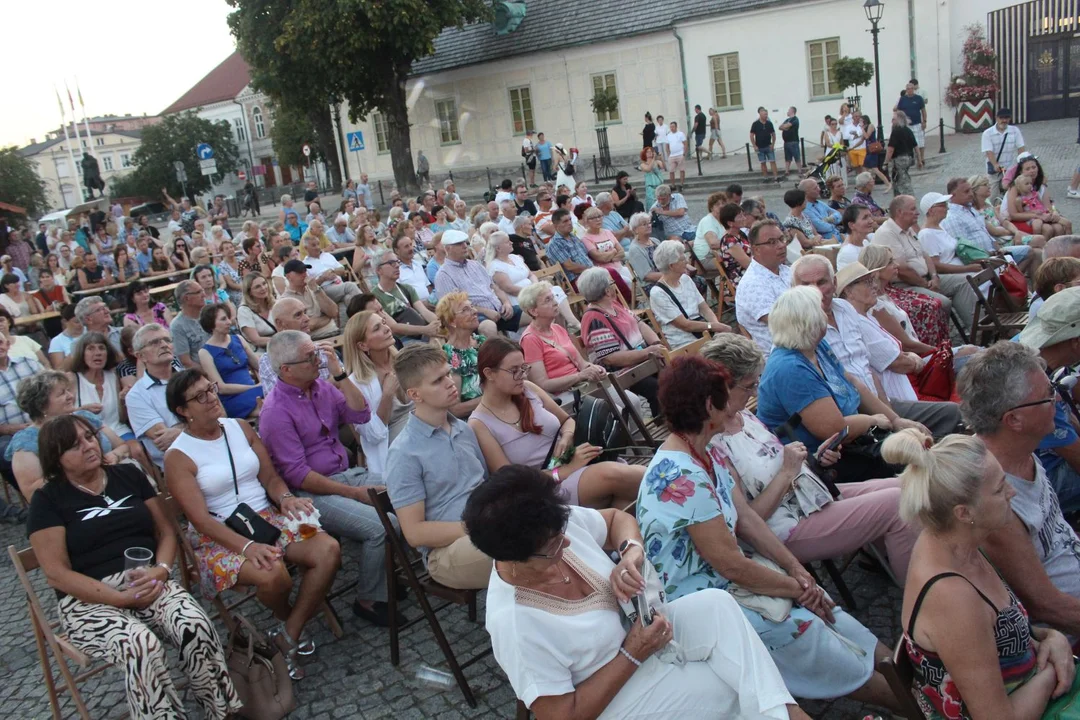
(900, 674)
(706, 275)
(727, 288)
(987, 324)
(838, 580)
(399, 560)
(693, 348)
(653, 432)
(646, 314)
(555, 275)
(49, 642)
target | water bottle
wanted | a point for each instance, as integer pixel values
(435, 678)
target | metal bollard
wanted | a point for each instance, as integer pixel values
(451, 173)
(802, 153)
(1078, 130)
(749, 164)
(382, 199)
(489, 185)
(941, 135)
(523, 175)
(698, 153)
(595, 171)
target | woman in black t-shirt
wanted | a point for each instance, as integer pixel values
(901, 152)
(81, 523)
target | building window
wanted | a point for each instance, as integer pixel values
(521, 110)
(241, 136)
(99, 141)
(822, 56)
(106, 162)
(606, 81)
(125, 160)
(382, 136)
(446, 111)
(260, 126)
(727, 87)
(62, 168)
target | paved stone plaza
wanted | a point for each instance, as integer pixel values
(352, 677)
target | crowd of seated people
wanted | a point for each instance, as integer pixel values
(292, 368)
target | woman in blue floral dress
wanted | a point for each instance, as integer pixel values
(693, 518)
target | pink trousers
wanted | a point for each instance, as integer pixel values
(867, 512)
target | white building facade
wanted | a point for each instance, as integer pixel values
(472, 100)
(114, 150)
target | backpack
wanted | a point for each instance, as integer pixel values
(597, 424)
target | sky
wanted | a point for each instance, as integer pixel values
(129, 56)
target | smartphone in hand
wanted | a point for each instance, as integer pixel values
(840, 437)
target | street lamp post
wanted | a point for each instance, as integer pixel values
(874, 9)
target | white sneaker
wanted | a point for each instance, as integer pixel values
(1074, 194)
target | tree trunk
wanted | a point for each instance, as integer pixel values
(324, 131)
(397, 130)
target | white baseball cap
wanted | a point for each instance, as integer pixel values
(931, 199)
(454, 237)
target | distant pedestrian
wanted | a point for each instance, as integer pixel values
(763, 135)
(423, 169)
(789, 132)
(901, 153)
(914, 106)
(648, 133)
(714, 133)
(1002, 143)
(543, 152)
(676, 145)
(700, 124)
(528, 151)
(661, 138)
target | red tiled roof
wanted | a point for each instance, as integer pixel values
(222, 83)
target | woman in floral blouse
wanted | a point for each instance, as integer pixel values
(460, 321)
(693, 518)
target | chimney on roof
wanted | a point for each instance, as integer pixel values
(127, 114)
(33, 141)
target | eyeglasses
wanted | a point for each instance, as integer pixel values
(312, 359)
(204, 397)
(158, 341)
(769, 243)
(749, 387)
(1052, 397)
(392, 263)
(518, 372)
(554, 555)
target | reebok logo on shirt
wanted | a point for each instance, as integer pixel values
(98, 512)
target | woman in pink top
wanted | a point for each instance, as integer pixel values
(604, 248)
(554, 362)
(518, 423)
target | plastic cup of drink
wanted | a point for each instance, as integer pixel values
(136, 560)
(308, 531)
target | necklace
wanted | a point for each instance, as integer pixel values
(707, 466)
(516, 423)
(103, 479)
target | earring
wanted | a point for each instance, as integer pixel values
(513, 570)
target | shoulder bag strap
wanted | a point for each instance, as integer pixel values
(1004, 139)
(614, 328)
(660, 284)
(232, 465)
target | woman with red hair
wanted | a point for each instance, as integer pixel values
(694, 520)
(517, 423)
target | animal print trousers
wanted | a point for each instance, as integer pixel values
(125, 637)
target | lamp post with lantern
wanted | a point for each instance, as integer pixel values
(874, 10)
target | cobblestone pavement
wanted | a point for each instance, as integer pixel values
(353, 678)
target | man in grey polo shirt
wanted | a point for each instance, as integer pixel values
(432, 468)
(188, 335)
(151, 421)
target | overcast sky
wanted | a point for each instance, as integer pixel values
(130, 56)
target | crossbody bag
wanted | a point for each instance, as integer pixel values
(243, 520)
(678, 304)
(990, 166)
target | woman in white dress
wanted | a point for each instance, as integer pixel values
(369, 359)
(512, 275)
(559, 633)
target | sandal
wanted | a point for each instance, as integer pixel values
(306, 646)
(288, 650)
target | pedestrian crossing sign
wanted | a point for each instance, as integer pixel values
(356, 141)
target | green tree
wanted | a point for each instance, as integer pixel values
(173, 139)
(291, 129)
(853, 72)
(374, 45)
(604, 102)
(20, 184)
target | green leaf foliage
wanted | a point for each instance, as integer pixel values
(313, 53)
(853, 72)
(175, 138)
(20, 184)
(292, 128)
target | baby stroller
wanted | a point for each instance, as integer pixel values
(831, 161)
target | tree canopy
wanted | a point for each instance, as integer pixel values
(20, 184)
(175, 138)
(291, 129)
(374, 43)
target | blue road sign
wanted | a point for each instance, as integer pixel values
(356, 141)
(204, 151)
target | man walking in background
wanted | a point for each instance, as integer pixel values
(789, 131)
(763, 135)
(700, 123)
(914, 107)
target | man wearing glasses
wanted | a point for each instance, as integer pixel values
(1007, 399)
(151, 420)
(409, 319)
(300, 423)
(765, 279)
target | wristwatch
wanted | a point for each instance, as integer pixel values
(344, 374)
(168, 569)
(627, 544)
(708, 326)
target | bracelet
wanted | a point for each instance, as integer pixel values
(555, 474)
(284, 495)
(246, 546)
(626, 654)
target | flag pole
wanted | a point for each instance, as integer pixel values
(71, 155)
(74, 120)
(86, 119)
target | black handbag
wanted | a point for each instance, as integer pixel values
(243, 520)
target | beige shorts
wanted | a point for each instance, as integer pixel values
(459, 565)
(676, 162)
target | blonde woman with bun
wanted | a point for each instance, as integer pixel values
(975, 652)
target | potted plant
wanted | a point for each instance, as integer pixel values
(853, 73)
(972, 93)
(604, 102)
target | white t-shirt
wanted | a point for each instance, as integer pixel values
(215, 475)
(666, 310)
(318, 265)
(527, 145)
(847, 254)
(516, 270)
(676, 142)
(940, 244)
(883, 350)
(661, 134)
(503, 195)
